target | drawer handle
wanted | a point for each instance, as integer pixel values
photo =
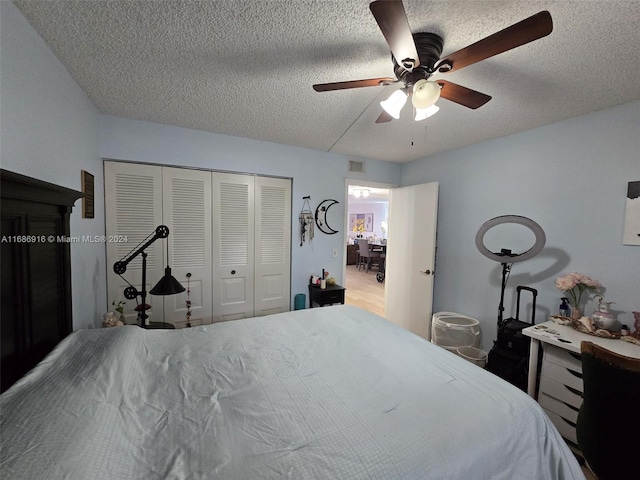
(573, 390)
(572, 407)
(575, 374)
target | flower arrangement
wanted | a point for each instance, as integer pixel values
(120, 309)
(575, 284)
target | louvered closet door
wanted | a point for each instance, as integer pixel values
(273, 245)
(133, 210)
(187, 213)
(233, 246)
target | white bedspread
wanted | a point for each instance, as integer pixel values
(325, 393)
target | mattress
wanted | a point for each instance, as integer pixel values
(323, 393)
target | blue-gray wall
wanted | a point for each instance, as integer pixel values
(571, 178)
(52, 131)
(317, 174)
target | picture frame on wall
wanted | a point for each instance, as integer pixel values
(88, 184)
(631, 232)
(361, 222)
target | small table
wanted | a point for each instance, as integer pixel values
(327, 296)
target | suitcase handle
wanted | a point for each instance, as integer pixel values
(534, 293)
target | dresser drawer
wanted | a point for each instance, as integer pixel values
(564, 358)
(333, 297)
(563, 375)
(562, 409)
(566, 428)
(560, 391)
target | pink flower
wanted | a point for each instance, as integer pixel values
(575, 284)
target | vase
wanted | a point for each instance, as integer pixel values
(576, 313)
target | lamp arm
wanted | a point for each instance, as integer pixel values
(120, 267)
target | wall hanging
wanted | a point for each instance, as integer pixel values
(306, 222)
(88, 190)
(321, 216)
(361, 222)
(631, 234)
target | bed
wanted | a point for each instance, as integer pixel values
(324, 393)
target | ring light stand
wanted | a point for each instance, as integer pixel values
(506, 253)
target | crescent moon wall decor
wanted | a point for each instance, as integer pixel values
(321, 216)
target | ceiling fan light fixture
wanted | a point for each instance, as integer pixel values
(422, 113)
(425, 94)
(394, 103)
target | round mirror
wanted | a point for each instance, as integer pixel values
(516, 237)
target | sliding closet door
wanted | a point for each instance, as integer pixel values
(187, 212)
(233, 246)
(133, 195)
(273, 245)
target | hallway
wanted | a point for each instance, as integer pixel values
(364, 291)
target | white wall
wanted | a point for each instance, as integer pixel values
(50, 132)
(570, 177)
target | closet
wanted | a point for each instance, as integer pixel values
(229, 242)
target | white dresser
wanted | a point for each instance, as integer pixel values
(560, 390)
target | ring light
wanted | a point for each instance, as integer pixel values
(512, 257)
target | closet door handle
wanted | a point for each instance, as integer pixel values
(233, 272)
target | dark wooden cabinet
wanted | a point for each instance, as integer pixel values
(352, 254)
(326, 296)
(36, 271)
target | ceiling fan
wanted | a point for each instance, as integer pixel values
(416, 56)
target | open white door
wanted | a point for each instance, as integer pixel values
(411, 250)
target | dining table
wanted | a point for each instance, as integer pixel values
(382, 249)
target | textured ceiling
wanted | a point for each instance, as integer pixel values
(245, 68)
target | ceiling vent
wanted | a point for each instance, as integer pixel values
(356, 167)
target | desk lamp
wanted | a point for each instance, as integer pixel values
(167, 285)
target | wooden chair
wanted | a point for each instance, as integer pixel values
(609, 418)
(360, 248)
(368, 258)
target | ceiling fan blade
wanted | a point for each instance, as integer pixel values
(393, 22)
(521, 33)
(462, 95)
(372, 82)
(384, 117)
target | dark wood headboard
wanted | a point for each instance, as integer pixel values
(36, 271)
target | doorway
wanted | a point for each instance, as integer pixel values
(367, 217)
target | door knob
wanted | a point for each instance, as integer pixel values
(233, 272)
(426, 272)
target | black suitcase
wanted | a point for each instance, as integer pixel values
(509, 357)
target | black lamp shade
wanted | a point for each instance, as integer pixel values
(167, 285)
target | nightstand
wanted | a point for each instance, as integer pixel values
(328, 296)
